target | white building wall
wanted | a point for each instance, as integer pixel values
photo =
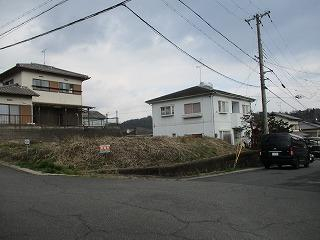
(295, 123)
(209, 124)
(178, 124)
(15, 100)
(227, 121)
(52, 97)
(16, 79)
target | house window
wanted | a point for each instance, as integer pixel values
(9, 114)
(42, 85)
(225, 136)
(191, 108)
(167, 111)
(223, 107)
(246, 109)
(235, 107)
(8, 82)
(65, 87)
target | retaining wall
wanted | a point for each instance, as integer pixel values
(53, 134)
(247, 159)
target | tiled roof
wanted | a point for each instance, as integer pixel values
(93, 115)
(289, 117)
(16, 89)
(303, 125)
(197, 91)
(35, 67)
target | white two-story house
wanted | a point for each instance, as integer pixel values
(58, 93)
(200, 111)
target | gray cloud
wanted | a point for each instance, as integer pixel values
(129, 63)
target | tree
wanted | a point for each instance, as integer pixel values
(252, 126)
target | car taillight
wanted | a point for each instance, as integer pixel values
(291, 151)
(260, 153)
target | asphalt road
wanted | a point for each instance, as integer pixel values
(263, 204)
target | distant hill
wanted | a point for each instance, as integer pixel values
(309, 115)
(145, 122)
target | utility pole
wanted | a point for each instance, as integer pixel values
(258, 18)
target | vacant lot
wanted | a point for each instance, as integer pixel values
(79, 155)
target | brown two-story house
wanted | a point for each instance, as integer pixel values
(60, 92)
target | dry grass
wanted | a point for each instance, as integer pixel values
(82, 153)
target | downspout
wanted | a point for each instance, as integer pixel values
(212, 116)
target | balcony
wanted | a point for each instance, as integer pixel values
(6, 119)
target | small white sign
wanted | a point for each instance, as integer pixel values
(27, 141)
(103, 149)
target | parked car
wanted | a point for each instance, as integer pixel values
(315, 151)
(284, 149)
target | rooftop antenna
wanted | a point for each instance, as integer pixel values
(200, 68)
(44, 55)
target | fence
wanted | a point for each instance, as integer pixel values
(8, 119)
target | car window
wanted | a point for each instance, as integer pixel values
(276, 139)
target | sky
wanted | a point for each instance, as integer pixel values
(129, 63)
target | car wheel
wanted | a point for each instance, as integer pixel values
(307, 161)
(296, 163)
(266, 165)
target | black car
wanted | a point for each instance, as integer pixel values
(315, 151)
(284, 149)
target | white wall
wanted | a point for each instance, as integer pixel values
(227, 121)
(295, 123)
(52, 97)
(14, 100)
(16, 78)
(177, 124)
(209, 124)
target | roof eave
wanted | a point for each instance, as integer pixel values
(152, 101)
(18, 68)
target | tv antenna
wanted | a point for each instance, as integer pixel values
(44, 55)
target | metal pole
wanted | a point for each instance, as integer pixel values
(262, 80)
(117, 118)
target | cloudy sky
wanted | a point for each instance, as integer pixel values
(128, 63)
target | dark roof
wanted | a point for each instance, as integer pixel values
(40, 68)
(93, 115)
(18, 90)
(289, 117)
(197, 91)
(303, 125)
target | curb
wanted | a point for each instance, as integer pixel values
(222, 174)
(33, 172)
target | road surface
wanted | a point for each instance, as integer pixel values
(262, 204)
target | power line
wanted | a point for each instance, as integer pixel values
(228, 10)
(26, 13)
(241, 8)
(290, 93)
(205, 34)
(30, 19)
(68, 24)
(293, 69)
(285, 42)
(185, 52)
(216, 30)
(281, 99)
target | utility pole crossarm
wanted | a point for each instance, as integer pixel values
(258, 18)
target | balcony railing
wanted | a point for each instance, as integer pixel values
(6, 119)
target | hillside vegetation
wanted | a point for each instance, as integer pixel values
(79, 155)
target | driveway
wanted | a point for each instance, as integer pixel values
(262, 204)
